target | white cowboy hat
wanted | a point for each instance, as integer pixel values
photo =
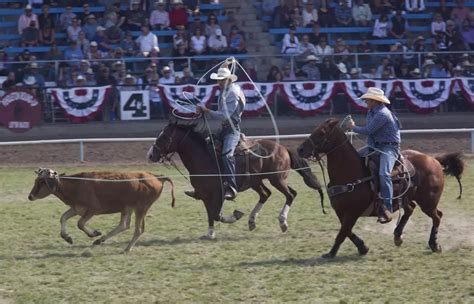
(354, 71)
(376, 94)
(416, 71)
(311, 58)
(458, 68)
(342, 67)
(429, 62)
(30, 80)
(223, 73)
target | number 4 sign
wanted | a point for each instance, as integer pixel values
(134, 105)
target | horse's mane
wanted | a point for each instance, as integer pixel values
(195, 136)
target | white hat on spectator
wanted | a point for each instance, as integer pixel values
(342, 67)
(33, 65)
(458, 68)
(91, 16)
(218, 32)
(354, 71)
(28, 7)
(94, 43)
(165, 69)
(30, 80)
(311, 58)
(429, 62)
(415, 71)
(80, 77)
(177, 2)
(376, 94)
(160, 2)
(90, 71)
(129, 76)
(100, 28)
(466, 63)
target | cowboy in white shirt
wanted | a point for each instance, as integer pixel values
(147, 41)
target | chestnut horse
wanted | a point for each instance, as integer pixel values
(250, 172)
(346, 167)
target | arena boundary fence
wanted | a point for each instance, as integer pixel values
(82, 141)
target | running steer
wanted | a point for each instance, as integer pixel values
(91, 193)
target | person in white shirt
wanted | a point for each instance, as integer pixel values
(25, 19)
(160, 18)
(217, 43)
(381, 27)
(323, 49)
(305, 47)
(415, 6)
(438, 26)
(361, 13)
(310, 15)
(166, 77)
(290, 42)
(147, 41)
(198, 43)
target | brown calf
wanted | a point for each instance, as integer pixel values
(92, 193)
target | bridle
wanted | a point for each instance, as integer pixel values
(319, 146)
(169, 155)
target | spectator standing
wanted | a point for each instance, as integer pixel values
(438, 26)
(30, 35)
(361, 13)
(160, 18)
(46, 18)
(272, 73)
(178, 14)
(415, 6)
(343, 13)
(106, 79)
(217, 43)
(310, 69)
(310, 14)
(459, 13)
(197, 43)
(290, 42)
(236, 41)
(166, 77)
(398, 26)
(73, 30)
(25, 19)
(211, 26)
(65, 19)
(146, 41)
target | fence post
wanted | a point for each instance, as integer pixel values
(472, 141)
(81, 151)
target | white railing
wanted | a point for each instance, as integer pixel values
(82, 141)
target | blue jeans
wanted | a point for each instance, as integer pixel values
(387, 162)
(230, 140)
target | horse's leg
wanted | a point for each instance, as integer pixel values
(346, 227)
(264, 194)
(435, 215)
(212, 215)
(282, 186)
(398, 232)
(357, 241)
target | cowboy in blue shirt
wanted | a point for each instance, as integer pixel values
(383, 132)
(229, 111)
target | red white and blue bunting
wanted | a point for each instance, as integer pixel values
(356, 88)
(308, 98)
(467, 87)
(81, 104)
(253, 95)
(179, 97)
(426, 94)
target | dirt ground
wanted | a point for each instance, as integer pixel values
(135, 152)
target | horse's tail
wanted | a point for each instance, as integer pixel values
(453, 164)
(301, 166)
(164, 179)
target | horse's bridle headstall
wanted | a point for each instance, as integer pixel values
(318, 147)
(167, 156)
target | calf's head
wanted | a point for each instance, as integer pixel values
(45, 184)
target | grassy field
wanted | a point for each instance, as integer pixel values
(171, 265)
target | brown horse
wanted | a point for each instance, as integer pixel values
(346, 167)
(250, 172)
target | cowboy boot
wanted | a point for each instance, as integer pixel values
(384, 216)
(192, 194)
(230, 193)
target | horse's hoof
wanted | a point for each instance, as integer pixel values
(328, 256)
(68, 239)
(398, 240)
(96, 233)
(97, 242)
(284, 226)
(364, 250)
(238, 214)
(436, 248)
(207, 238)
(252, 226)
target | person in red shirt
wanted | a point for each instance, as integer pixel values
(178, 14)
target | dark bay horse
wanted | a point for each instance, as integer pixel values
(204, 173)
(346, 167)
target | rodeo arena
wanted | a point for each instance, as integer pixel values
(279, 151)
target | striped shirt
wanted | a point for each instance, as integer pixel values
(382, 126)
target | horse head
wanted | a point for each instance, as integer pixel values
(323, 140)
